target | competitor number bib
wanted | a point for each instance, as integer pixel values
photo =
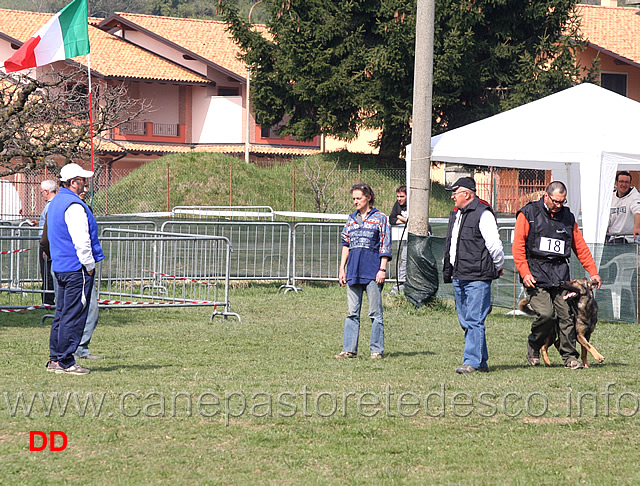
(552, 245)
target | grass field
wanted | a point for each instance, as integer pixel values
(181, 400)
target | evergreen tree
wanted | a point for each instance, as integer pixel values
(334, 66)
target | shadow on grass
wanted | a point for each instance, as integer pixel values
(137, 367)
(556, 366)
(398, 354)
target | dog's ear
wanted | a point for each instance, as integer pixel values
(592, 284)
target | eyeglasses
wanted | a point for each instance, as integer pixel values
(559, 203)
(457, 193)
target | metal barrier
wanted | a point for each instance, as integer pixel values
(20, 279)
(157, 267)
(317, 250)
(224, 212)
(261, 251)
(134, 225)
(188, 263)
(141, 268)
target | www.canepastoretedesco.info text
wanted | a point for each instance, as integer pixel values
(608, 401)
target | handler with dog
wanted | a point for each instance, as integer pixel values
(545, 233)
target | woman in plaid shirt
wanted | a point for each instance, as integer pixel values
(366, 250)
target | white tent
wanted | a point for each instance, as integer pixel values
(583, 134)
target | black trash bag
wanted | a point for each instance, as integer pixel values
(422, 271)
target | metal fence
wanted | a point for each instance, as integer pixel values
(142, 268)
(191, 263)
(261, 251)
(506, 189)
(162, 268)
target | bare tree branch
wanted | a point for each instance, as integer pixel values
(44, 121)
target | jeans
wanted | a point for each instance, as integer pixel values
(89, 327)
(352, 322)
(74, 293)
(473, 301)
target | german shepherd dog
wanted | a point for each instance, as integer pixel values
(585, 316)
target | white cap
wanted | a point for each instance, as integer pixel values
(71, 171)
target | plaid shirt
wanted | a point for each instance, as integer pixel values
(368, 242)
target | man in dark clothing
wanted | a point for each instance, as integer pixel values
(399, 217)
(545, 234)
(473, 258)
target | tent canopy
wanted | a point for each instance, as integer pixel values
(583, 134)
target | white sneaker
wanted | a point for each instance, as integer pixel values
(73, 370)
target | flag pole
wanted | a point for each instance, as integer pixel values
(90, 123)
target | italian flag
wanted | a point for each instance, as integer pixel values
(65, 35)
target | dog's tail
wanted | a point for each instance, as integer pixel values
(524, 306)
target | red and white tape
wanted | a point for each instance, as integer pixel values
(118, 302)
(33, 307)
(16, 251)
(181, 278)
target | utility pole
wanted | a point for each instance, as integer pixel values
(247, 135)
(420, 174)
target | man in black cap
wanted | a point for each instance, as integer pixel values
(473, 257)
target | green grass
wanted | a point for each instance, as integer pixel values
(284, 347)
(205, 180)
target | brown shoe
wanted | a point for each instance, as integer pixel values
(466, 369)
(574, 364)
(345, 354)
(533, 356)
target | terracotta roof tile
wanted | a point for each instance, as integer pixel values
(106, 146)
(110, 55)
(614, 29)
(206, 38)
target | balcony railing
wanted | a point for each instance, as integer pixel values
(166, 129)
(133, 128)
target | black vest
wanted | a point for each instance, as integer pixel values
(548, 245)
(473, 260)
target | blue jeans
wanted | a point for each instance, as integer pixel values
(73, 295)
(473, 301)
(352, 322)
(89, 327)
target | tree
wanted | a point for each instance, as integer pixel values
(495, 55)
(333, 67)
(46, 120)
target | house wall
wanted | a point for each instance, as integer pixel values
(162, 49)
(142, 40)
(216, 119)
(5, 51)
(608, 64)
(165, 99)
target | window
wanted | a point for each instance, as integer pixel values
(228, 91)
(272, 132)
(616, 82)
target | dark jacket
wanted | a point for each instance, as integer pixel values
(548, 244)
(473, 260)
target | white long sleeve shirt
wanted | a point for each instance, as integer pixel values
(78, 226)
